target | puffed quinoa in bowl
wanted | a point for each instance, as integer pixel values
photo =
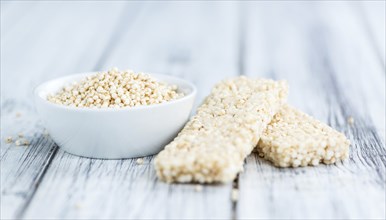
(111, 129)
(115, 89)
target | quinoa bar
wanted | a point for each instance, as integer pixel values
(294, 139)
(214, 143)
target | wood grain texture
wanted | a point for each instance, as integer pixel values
(107, 189)
(22, 167)
(31, 54)
(315, 56)
(330, 52)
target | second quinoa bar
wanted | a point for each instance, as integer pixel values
(294, 139)
(214, 143)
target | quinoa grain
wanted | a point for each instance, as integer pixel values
(198, 188)
(350, 120)
(8, 140)
(235, 195)
(18, 142)
(22, 142)
(139, 161)
(26, 142)
(115, 89)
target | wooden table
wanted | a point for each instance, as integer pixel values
(331, 53)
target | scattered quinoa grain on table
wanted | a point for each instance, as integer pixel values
(139, 161)
(350, 120)
(26, 142)
(8, 140)
(198, 188)
(17, 142)
(115, 89)
(234, 195)
(22, 142)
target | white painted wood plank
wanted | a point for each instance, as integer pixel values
(84, 188)
(58, 47)
(324, 53)
(189, 40)
(42, 45)
(192, 40)
(375, 20)
(21, 166)
(13, 14)
(355, 62)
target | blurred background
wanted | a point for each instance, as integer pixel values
(195, 39)
(203, 42)
(332, 53)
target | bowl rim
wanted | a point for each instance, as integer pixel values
(190, 95)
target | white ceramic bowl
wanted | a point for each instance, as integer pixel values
(114, 133)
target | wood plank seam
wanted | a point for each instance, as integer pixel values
(85, 169)
(53, 152)
(53, 149)
(234, 202)
(333, 185)
(337, 98)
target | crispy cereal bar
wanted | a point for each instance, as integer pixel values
(294, 139)
(214, 143)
